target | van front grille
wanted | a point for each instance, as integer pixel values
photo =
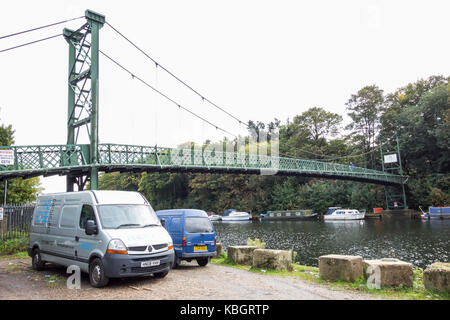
(140, 248)
(160, 246)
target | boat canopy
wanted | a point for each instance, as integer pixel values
(228, 211)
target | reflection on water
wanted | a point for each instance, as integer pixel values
(415, 241)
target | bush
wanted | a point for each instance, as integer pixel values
(12, 246)
(256, 243)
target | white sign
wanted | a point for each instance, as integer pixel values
(390, 158)
(6, 157)
(1, 214)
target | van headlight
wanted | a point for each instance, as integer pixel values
(116, 246)
(170, 245)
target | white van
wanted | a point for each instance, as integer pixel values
(108, 234)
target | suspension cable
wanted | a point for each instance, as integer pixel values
(175, 77)
(164, 95)
(38, 28)
(29, 43)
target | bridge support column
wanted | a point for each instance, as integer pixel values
(83, 91)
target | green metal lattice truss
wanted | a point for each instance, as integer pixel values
(46, 160)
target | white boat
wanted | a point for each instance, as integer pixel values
(215, 217)
(236, 216)
(344, 214)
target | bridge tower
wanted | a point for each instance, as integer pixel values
(83, 86)
(391, 162)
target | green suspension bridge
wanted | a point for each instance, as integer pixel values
(83, 162)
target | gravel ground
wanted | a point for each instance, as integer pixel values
(19, 281)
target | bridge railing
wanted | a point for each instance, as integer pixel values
(200, 157)
(46, 157)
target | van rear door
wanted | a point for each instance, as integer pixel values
(199, 234)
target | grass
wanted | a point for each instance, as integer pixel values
(311, 274)
(17, 255)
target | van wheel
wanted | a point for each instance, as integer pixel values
(202, 261)
(97, 274)
(176, 263)
(36, 260)
(161, 274)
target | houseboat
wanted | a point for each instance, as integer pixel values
(289, 215)
(436, 213)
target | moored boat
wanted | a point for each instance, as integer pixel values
(289, 215)
(336, 213)
(233, 215)
(436, 213)
(215, 217)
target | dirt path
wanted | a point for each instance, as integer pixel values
(19, 281)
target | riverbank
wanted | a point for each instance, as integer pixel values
(311, 275)
(212, 282)
(222, 279)
(415, 241)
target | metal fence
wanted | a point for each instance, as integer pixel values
(16, 221)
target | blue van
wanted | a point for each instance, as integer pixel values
(192, 234)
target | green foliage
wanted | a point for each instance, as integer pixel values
(293, 254)
(256, 243)
(364, 110)
(118, 181)
(12, 246)
(19, 190)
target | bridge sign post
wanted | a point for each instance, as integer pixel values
(391, 162)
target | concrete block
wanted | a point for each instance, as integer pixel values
(334, 266)
(219, 249)
(390, 272)
(436, 277)
(272, 259)
(241, 254)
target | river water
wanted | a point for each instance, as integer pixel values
(419, 242)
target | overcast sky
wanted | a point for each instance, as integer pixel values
(259, 60)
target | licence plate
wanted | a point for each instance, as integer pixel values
(150, 263)
(200, 248)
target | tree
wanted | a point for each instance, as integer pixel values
(119, 181)
(320, 124)
(19, 190)
(364, 110)
(424, 132)
(403, 98)
(164, 190)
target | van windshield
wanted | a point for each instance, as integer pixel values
(198, 225)
(120, 216)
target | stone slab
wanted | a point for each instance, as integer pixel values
(389, 272)
(340, 267)
(272, 259)
(436, 277)
(241, 254)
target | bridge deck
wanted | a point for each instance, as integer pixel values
(30, 161)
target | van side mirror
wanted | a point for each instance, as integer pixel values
(91, 227)
(163, 222)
